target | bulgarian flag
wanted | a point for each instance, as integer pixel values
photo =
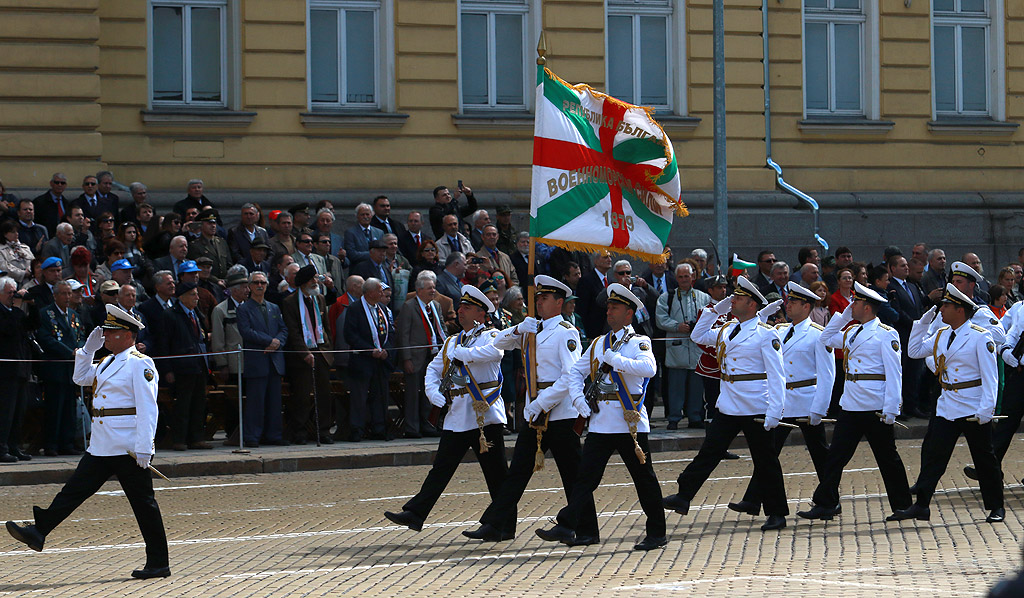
(737, 266)
(604, 173)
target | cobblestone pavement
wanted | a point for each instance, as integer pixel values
(323, 534)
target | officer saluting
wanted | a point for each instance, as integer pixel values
(753, 388)
(870, 402)
(965, 360)
(620, 364)
(124, 418)
(476, 417)
(810, 374)
(965, 279)
(550, 346)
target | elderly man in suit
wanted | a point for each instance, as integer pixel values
(176, 254)
(495, 258)
(358, 237)
(369, 331)
(593, 283)
(452, 241)
(908, 300)
(307, 362)
(183, 332)
(52, 207)
(409, 241)
(421, 331)
(263, 334)
(60, 333)
(225, 336)
(449, 281)
(15, 370)
(243, 236)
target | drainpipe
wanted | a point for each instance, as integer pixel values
(769, 162)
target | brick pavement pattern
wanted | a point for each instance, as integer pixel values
(323, 534)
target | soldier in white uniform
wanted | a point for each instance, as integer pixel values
(753, 388)
(550, 346)
(870, 402)
(965, 358)
(476, 416)
(124, 414)
(965, 279)
(620, 364)
(810, 373)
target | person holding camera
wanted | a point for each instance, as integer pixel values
(676, 314)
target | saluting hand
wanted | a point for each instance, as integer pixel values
(94, 342)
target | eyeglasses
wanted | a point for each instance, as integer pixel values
(110, 293)
(59, 182)
(258, 282)
(90, 184)
(768, 260)
(429, 249)
(304, 241)
(107, 220)
(624, 273)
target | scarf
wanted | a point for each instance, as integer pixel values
(311, 334)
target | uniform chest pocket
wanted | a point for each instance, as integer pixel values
(120, 421)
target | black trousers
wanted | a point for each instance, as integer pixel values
(712, 388)
(451, 449)
(137, 483)
(59, 407)
(850, 427)
(814, 438)
(720, 433)
(417, 407)
(912, 369)
(837, 389)
(13, 400)
(938, 448)
(262, 409)
(188, 419)
(564, 445)
(300, 417)
(1013, 409)
(597, 449)
(368, 394)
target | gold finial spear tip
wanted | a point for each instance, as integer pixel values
(542, 49)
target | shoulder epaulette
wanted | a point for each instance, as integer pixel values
(978, 328)
(817, 325)
(565, 324)
(136, 353)
(765, 325)
(885, 327)
(782, 326)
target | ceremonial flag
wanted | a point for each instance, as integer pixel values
(737, 266)
(604, 173)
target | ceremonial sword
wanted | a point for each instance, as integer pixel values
(149, 467)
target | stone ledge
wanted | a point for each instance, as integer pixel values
(495, 119)
(972, 126)
(342, 119)
(196, 117)
(847, 126)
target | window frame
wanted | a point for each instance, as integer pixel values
(530, 12)
(675, 31)
(228, 55)
(995, 67)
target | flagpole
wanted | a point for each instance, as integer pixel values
(720, 165)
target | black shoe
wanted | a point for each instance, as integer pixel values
(970, 472)
(746, 506)
(774, 522)
(649, 543)
(730, 456)
(672, 426)
(915, 511)
(326, 440)
(996, 515)
(21, 455)
(699, 426)
(913, 489)
(559, 533)
(820, 512)
(674, 502)
(28, 535)
(407, 518)
(412, 435)
(488, 533)
(7, 458)
(151, 572)
(50, 452)
(299, 439)
(355, 437)
(584, 540)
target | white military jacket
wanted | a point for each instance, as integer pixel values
(971, 356)
(984, 318)
(805, 358)
(874, 351)
(558, 348)
(123, 381)
(1014, 319)
(756, 349)
(634, 363)
(485, 367)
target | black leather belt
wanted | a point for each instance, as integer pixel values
(103, 412)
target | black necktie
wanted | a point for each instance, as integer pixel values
(266, 314)
(952, 335)
(906, 286)
(366, 232)
(789, 334)
(540, 326)
(453, 243)
(734, 332)
(854, 337)
(106, 363)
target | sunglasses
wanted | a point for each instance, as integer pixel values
(305, 241)
(110, 293)
(88, 184)
(624, 273)
(258, 282)
(59, 182)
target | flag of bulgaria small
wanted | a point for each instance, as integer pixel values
(737, 266)
(604, 173)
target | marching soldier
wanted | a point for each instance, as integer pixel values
(810, 374)
(550, 347)
(476, 416)
(870, 402)
(1012, 353)
(965, 279)
(124, 418)
(965, 364)
(620, 365)
(751, 401)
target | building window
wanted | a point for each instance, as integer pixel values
(964, 68)
(492, 54)
(189, 52)
(639, 52)
(835, 77)
(344, 54)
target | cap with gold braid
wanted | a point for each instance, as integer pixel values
(546, 284)
(475, 296)
(955, 296)
(119, 319)
(962, 269)
(862, 293)
(746, 288)
(620, 294)
(797, 291)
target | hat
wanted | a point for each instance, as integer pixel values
(204, 261)
(378, 244)
(109, 285)
(302, 207)
(305, 274)
(259, 244)
(183, 287)
(488, 286)
(797, 291)
(52, 262)
(206, 216)
(863, 293)
(569, 298)
(504, 209)
(74, 284)
(274, 214)
(747, 288)
(384, 286)
(960, 269)
(236, 279)
(121, 264)
(475, 296)
(187, 266)
(955, 296)
(547, 284)
(119, 319)
(716, 281)
(620, 294)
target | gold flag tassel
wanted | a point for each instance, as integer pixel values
(481, 407)
(632, 418)
(541, 426)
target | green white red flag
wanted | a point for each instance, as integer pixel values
(604, 173)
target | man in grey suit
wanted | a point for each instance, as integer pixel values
(449, 282)
(262, 329)
(358, 237)
(419, 324)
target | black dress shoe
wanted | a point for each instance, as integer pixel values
(488, 533)
(996, 515)
(407, 518)
(746, 506)
(584, 540)
(28, 535)
(650, 543)
(970, 472)
(21, 455)
(820, 512)
(8, 458)
(730, 456)
(559, 533)
(299, 439)
(674, 502)
(355, 437)
(412, 435)
(151, 572)
(915, 511)
(326, 440)
(774, 522)
(672, 426)
(50, 452)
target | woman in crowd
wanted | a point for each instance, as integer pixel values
(500, 280)
(514, 303)
(128, 235)
(107, 232)
(1006, 279)
(81, 263)
(426, 259)
(820, 312)
(15, 256)
(997, 299)
(158, 240)
(836, 305)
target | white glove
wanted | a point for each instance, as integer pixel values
(724, 306)
(769, 310)
(888, 418)
(611, 359)
(847, 314)
(527, 325)
(770, 422)
(815, 419)
(984, 418)
(929, 316)
(436, 399)
(94, 342)
(460, 353)
(143, 459)
(1009, 358)
(581, 406)
(930, 363)
(531, 411)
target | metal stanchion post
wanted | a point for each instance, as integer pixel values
(241, 437)
(316, 407)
